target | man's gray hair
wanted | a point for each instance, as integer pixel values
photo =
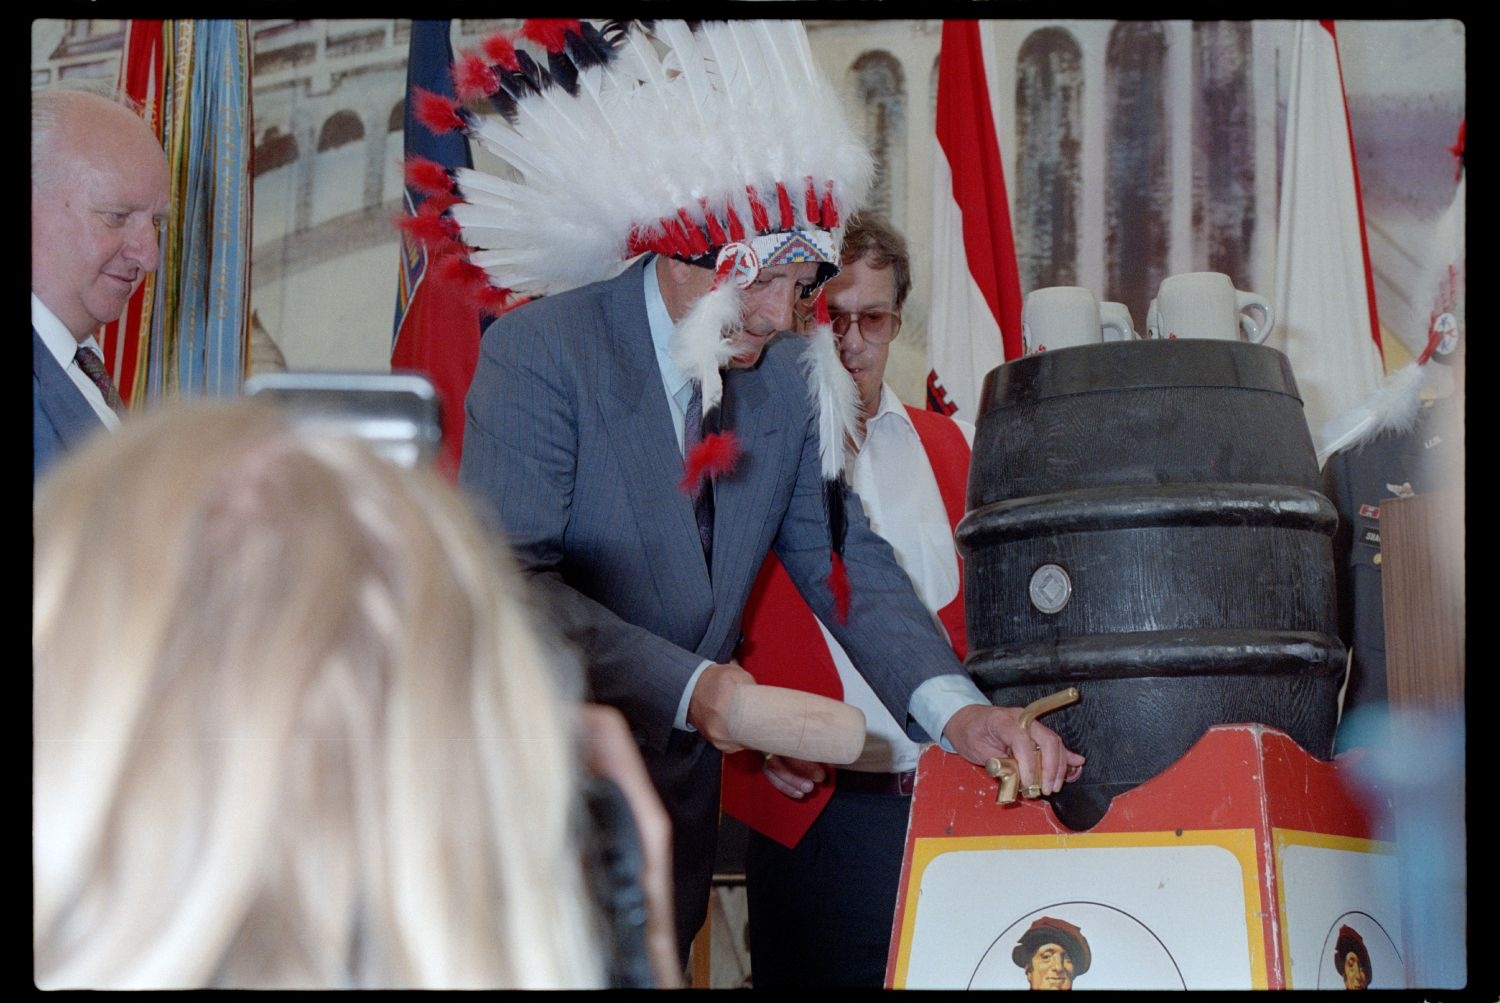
(49, 107)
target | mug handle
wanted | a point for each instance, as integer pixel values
(1153, 321)
(1255, 333)
(1115, 318)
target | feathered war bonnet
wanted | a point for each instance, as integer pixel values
(716, 143)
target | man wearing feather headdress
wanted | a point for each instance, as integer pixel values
(643, 438)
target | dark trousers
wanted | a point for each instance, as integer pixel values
(821, 913)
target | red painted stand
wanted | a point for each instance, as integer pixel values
(1237, 867)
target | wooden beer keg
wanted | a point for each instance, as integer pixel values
(1144, 522)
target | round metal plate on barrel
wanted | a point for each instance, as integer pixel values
(1050, 588)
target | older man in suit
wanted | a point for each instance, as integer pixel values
(98, 197)
(574, 434)
(728, 162)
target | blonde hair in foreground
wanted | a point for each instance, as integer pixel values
(292, 725)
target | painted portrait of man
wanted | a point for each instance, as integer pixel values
(1052, 953)
(1351, 959)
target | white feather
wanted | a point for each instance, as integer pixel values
(698, 346)
(1393, 408)
(836, 397)
(686, 59)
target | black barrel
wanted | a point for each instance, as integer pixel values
(1144, 522)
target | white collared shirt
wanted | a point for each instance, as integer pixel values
(674, 381)
(893, 477)
(63, 346)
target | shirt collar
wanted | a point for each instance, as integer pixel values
(661, 331)
(890, 419)
(890, 404)
(56, 336)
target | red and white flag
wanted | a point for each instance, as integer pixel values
(975, 321)
(1325, 292)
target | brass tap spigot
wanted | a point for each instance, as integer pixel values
(1006, 769)
(1008, 772)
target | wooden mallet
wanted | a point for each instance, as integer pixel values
(787, 722)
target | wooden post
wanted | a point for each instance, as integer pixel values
(1422, 591)
(1422, 575)
(702, 953)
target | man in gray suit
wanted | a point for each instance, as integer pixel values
(570, 436)
(732, 165)
(98, 197)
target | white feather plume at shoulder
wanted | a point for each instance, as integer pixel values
(836, 397)
(698, 346)
(1392, 408)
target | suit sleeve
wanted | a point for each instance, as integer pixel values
(892, 639)
(520, 459)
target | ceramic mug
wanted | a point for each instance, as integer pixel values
(1207, 305)
(1067, 316)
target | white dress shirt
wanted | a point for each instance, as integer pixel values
(63, 346)
(893, 477)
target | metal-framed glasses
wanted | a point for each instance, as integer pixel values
(878, 326)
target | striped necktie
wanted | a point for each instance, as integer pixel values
(703, 505)
(93, 367)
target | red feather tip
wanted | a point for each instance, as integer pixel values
(784, 203)
(838, 584)
(641, 241)
(436, 205)
(474, 282)
(758, 216)
(457, 270)
(830, 209)
(502, 51)
(676, 238)
(494, 301)
(698, 243)
(448, 247)
(716, 454)
(549, 32)
(736, 228)
(473, 79)
(431, 229)
(428, 176)
(438, 113)
(811, 200)
(820, 309)
(716, 236)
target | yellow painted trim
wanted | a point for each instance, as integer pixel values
(1280, 840)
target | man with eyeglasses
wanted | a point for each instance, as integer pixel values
(825, 847)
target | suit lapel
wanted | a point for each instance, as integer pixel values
(742, 499)
(641, 433)
(59, 398)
